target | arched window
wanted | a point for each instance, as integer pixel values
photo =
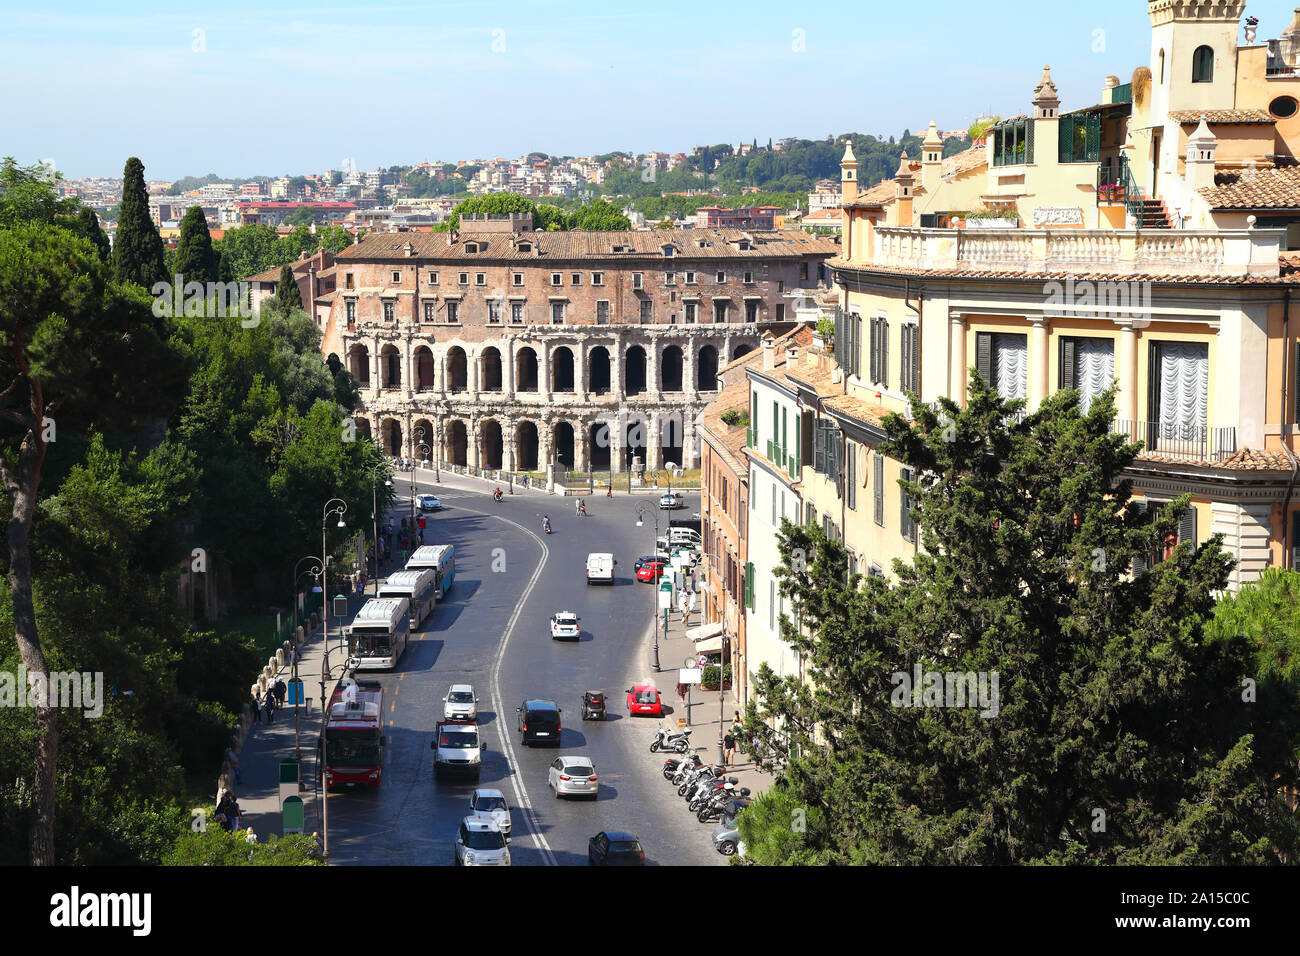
(1160, 68)
(1203, 65)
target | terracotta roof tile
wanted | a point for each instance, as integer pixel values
(868, 413)
(1255, 189)
(1289, 274)
(882, 193)
(1192, 117)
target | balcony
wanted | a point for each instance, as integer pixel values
(1227, 252)
(1191, 443)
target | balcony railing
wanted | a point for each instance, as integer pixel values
(1242, 252)
(1184, 442)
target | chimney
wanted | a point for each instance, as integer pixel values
(1201, 147)
(931, 159)
(769, 352)
(791, 355)
(903, 181)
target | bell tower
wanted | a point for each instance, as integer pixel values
(1193, 55)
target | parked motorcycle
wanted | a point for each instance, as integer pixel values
(703, 784)
(679, 765)
(693, 778)
(720, 807)
(708, 791)
(679, 742)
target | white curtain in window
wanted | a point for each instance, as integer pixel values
(1011, 365)
(1094, 365)
(1184, 388)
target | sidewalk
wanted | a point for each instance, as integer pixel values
(703, 711)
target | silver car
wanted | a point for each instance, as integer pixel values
(491, 805)
(573, 777)
(481, 843)
(461, 703)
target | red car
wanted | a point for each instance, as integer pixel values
(651, 571)
(644, 699)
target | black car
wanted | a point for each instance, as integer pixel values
(615, 848)
(647, 558)
(539, 722)
(593, 705)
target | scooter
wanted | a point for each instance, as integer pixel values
(719, 807)
(710, 790)
(497, 496)
(705, 780)
(548, 527)
(679, 765)
(693, 778)
(679, 742)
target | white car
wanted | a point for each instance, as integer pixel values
(428, 502)
(481, 843)
(461, 703)
(573, 776)
(671, 500)
(491, 805)
(564, 626)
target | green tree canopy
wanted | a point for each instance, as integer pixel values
(195, 259)
(137, 247)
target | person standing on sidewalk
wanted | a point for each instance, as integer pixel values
(232, 758)
(255, 702)
(268, 701)
(728, 749)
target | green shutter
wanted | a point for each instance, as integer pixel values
(1142, 561)
(916, 359)
(906, 368)
(1067, 378)
(1295, 381)
(878, 464)
(1187, 526)
(884, 352)
(984, 356)
(904, 506)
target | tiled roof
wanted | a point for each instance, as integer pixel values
(816, 378)
(577, 244)
(1290, 274)
(1191, 117)
(882, 193)
(869, 413)
(1253, 459)
(964, 162)
(1255, 189)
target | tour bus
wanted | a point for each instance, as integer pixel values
(440, 557)
(378, 634)
(418, 586)
(352, 735)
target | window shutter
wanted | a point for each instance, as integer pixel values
(851, 474)
(904, 507)
(1067, 378)
(1029, 141)
(1143, 560)
(905, 369)
(1187, 526)
(805, 439)
(916, 359)
(819, 450)
(878, 466)
(1153, 384)
(857, 346)
(984, 356)
(839, 336)
(884, 352)
(874, 363)
(1295, 381)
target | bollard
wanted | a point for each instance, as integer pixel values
(262, 683)
(298, 635)
(281, 658)
(273, 663)
(286, 648)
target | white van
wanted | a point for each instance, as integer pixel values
(600, 568)
(684, 536)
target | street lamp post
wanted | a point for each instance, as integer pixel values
(640, 522)
(335, 506)
(722, 693)
(297, 711)
(374, 517)
(426, 462)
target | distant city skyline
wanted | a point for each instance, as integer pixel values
(249, 91)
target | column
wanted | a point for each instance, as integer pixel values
(409, 378)
(653, 380)
(471, 373)
(1038, 362)
(377, 377)
(957, 363)
(471, 436)
(689, 450)
(544, 370)
(508, 370)
(581, 448)
(508, 446)
(616, 368)
(580, 377)
(1126, 404)
(725, 357)
(689, 379)
(654, 455)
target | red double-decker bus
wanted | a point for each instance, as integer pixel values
(353, 739)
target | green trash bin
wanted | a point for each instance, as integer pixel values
(292, 816)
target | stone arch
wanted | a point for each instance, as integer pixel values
(706, 370)
(634, 381)
(739, 349)
(390, 365)
(422, 439)
(636, 436)
(391, 431)
(598, 370)
(424, 369)
(359, 364)
(670, 369)
(457, 376)
(528, 446)
(456, 442)
(599, 438)
(490, 369)
(563, 441)
(526, 369)
(672, 438)
(363, 426)
(491, 444)
(562, 377)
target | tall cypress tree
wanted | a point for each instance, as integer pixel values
(87, 226)
(287, 297)
(138, 249)
(195, 258)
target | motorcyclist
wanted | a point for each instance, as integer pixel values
(546, 523)
(497, 494)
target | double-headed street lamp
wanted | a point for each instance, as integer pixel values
(335, 506)
(297, 721)
(640, 522)
(374, 514)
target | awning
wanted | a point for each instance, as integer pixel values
(712, 646)
(705, 631)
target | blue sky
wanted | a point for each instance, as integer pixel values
(273, 87)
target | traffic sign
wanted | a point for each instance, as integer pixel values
(340, 606)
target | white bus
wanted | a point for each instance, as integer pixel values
(378, 634)
(419, 586)
(439, 557)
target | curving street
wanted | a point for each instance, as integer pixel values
(492, 632)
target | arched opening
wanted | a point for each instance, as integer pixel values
(390, 360)
(491, 377)
(527, 447)
(491, 444)
(598, 441)
(363, 426)
(359, 364)
(706, 370)
(526, 370)
(562, 369)
(422, 440)
(457, 369)
(457, 442)
(671, 439)
(740, 350)
(392, 432)
(634, 443)
(598, 370)
(1203, 65)
(423, 369)
(562, 441)
(670, 369)
(634, 371)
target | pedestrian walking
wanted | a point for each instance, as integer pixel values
(524, 479)
(582, 507)
(577, 508)
(690, 602)
(728, 749)
(232, 758)
(255, 702)
(250, 836)
(268, 704)
(281, 689)
(361, 584)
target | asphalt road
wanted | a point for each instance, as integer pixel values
(491, 632)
